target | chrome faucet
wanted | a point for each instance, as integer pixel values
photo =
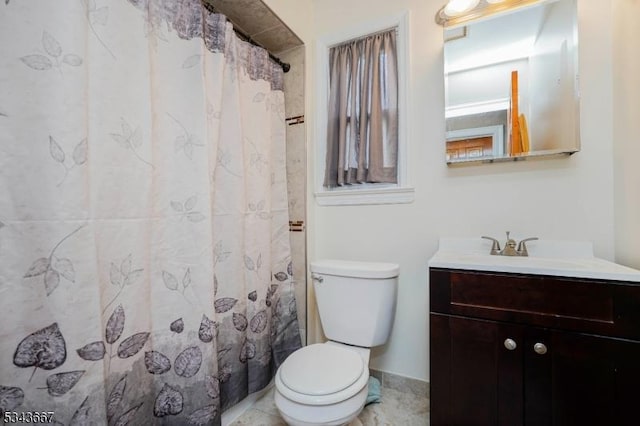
(510, 248)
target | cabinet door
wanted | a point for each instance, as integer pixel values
(475, 379)
(591, 380)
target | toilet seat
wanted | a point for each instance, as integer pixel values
(322, 374)
(334, 369)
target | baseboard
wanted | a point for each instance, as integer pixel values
(402, 383)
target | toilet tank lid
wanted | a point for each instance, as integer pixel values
(348, 268)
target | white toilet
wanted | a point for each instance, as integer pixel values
(326, 384)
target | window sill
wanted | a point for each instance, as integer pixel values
(370, 196)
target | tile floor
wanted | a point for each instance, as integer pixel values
(396, 408)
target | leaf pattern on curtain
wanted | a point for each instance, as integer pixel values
(45, 349)
(144, 248)
(78, 157)
(54, 57)
(97, 16)
(52, 267)
(131, 140)
(185, 142)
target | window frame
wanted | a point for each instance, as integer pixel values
(366, 193)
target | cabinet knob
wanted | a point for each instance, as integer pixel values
(540, 348)
(510, 344)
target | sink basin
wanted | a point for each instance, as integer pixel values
(567, 259)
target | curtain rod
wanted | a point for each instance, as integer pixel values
(365, 36)
(285, 66)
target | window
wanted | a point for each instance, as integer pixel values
(360, 131)
(362, 128)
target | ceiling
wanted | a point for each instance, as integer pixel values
(255, 19)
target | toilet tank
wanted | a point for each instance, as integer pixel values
(356, 300)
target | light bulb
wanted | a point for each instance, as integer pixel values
(456, 7)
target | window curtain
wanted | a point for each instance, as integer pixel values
(362, 130)
(145, 274)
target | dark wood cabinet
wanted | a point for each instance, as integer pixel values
(512, 349)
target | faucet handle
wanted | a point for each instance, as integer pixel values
(522, 247)
(495, 247)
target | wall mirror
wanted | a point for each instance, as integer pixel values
(511, 80)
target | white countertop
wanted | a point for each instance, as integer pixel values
(558, 258)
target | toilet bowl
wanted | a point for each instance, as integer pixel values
(326, 383)
(333, 392)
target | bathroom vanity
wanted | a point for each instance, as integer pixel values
(533, 341)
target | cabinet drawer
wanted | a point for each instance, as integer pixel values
(591, 306)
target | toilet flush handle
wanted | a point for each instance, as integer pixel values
(317, 278)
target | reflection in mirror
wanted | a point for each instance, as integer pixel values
(511, 83)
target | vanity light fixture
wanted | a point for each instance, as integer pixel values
(457, 12)
(457, 7)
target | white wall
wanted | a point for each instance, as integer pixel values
(626, 92)
(568, 198)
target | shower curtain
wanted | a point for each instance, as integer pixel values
(145, 268)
